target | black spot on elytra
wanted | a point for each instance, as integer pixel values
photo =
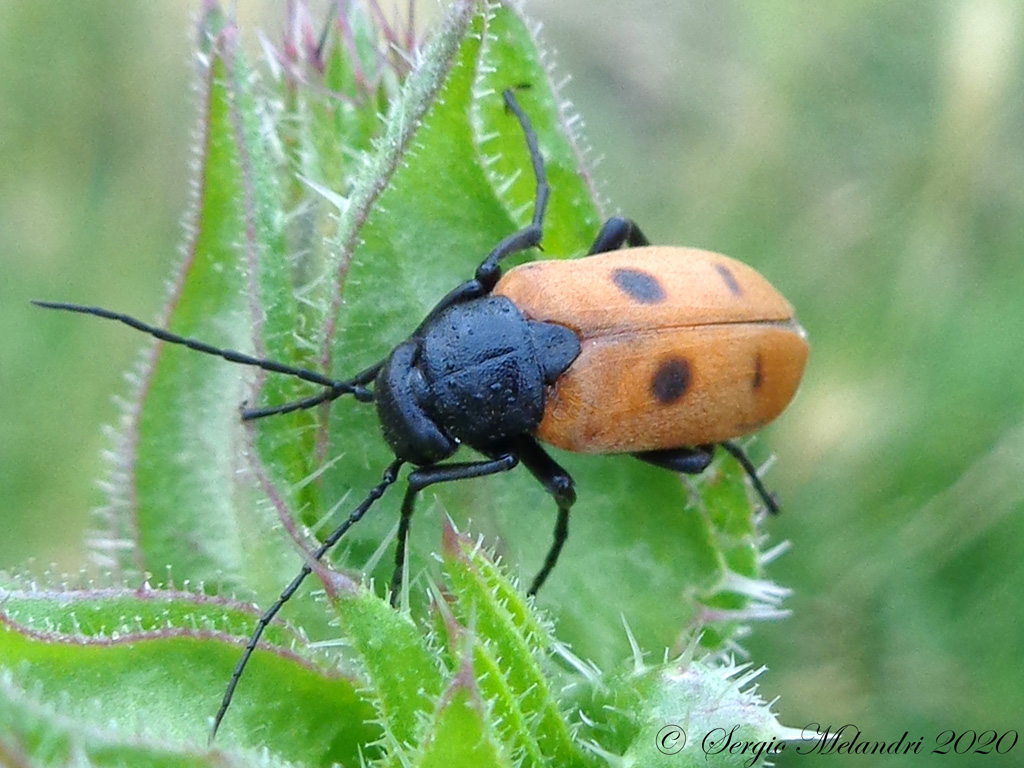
(758, 379)
(638, 285)
(729, 279)
(671, 380)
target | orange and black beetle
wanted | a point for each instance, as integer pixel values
(658, 352)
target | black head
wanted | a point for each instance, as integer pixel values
(474, 374)
(399, 391)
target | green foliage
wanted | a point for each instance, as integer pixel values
(319, 236)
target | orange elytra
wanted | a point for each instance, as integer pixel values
(679, 346)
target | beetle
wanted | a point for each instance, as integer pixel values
(662, 353)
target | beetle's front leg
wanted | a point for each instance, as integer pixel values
(431, 475)
(560, 485)
(489, 271)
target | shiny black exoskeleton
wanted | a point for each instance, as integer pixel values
(476, 374)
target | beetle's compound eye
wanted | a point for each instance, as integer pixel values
(399, 393)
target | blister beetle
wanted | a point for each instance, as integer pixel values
(654, 351)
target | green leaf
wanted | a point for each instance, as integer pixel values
(33, 732)
(155, 663)
(320, 237)
(512, 651)
(460, 734)
(404, 678)
(184, 507)
(687, 712)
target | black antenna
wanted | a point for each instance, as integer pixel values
(335, 388)
(390, 475)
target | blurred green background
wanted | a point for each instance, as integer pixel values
(866, 156)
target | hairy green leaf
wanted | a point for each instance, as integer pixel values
(340, 194)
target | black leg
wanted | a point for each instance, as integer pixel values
(327, 396)
(427, 476)
(689, 461)
(748, 466)
(489, 272)
(390, 475)
(615, 233)
(693, 461)
(560, 485)
(467, 291)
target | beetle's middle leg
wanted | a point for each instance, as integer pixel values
(616, 233)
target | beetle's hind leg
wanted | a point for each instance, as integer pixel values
(689, 461)
(748, 466)
(616, 233)
(693, 461)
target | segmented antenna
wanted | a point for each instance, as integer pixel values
(334, 387)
